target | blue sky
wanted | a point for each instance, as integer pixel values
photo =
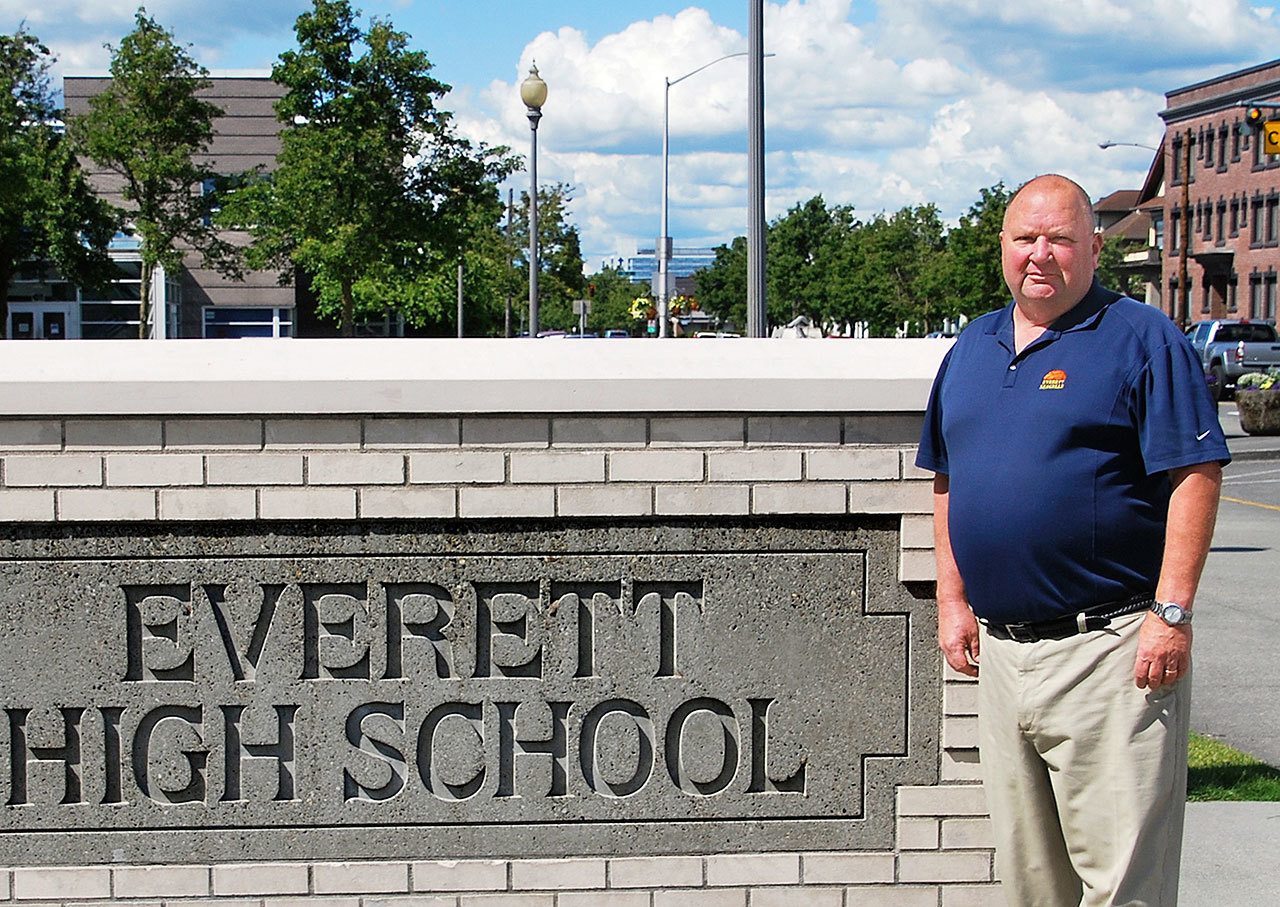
(874, 103)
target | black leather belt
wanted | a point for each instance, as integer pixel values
(1098, 617)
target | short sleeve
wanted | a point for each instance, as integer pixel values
(1176, 415)
(932, 454)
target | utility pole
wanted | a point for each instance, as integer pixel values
(1184, 286)
(459, 300)
(757, 311)
(511, 205)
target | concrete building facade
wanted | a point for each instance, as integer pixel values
(196, 302)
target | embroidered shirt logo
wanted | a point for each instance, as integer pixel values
(1055, 380)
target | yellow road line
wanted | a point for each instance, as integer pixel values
(1251, 503)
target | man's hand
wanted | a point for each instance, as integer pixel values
(958, 636)
(957, 627)
(1164, 653)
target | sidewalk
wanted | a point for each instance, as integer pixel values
(1231, 855)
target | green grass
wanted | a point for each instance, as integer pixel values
(1218, 772)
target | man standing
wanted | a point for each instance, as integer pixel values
(1079, 462)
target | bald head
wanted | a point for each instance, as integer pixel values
(1054, 183)
(1048, 248)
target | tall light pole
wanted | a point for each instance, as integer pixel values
(757, 315)
(1184, 285)
(662, 250)
(533, 91)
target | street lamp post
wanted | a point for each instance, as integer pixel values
(533, 91)
(757, 310)
(1184, 248)
(662, 250)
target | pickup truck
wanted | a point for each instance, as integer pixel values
(1229, 348)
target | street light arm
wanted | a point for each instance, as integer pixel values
(1105, 145)
(743, 53)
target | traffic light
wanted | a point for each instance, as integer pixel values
(1254, 117)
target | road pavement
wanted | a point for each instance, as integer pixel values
(1237, 628)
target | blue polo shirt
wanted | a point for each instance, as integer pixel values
(1058, 455)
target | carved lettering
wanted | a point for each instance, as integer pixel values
(169, 755)
(622, 764)
(551, 746)
(375, 729)
(158, 628)
(702, 746)
(280, 751)
(510, 631)
(676, 603)
(460, 774)
(336, 631)
(761, 755)
(27, 757)
(421, 612)
(243, 637)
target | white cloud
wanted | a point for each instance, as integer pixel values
(930, 101)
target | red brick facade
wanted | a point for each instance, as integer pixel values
(1233, 259)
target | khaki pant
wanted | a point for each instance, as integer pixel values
(1085, 774)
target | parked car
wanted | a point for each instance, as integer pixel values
(1230, 347)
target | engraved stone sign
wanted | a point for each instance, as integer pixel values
(639, 690)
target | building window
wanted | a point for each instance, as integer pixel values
(1222, 221)
(1157, 227)
(1273, 228)
(1222, 148)
(1204, 297)
(1175, 230)
(1255, 294)
(1255, 236)
(234, 322)
(1269, 297)
(1235, 217)
(1231, 293)
(1208, 147)
(1178, 160)
(1235, 142)
(1206, 222)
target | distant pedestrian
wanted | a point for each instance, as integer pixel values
(1079, 463)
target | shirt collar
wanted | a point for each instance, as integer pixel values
(1083, 315)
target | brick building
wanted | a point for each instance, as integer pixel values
(1210, 166)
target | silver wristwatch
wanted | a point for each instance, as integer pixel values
(1172, 613)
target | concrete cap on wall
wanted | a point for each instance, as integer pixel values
(224, 377)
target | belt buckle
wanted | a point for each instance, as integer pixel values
(1023, 632)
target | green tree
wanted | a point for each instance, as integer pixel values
(48, 211)
(800, 246)
(612, 293)
(882, 266)
(375, 196)
(1111, 270)
(722, 287)
(560, 277)
(148, 127)
(966, 278)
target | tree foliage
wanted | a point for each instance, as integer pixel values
(48, 211)
(885, 271)
(612, 294)
(560, 277)
(375, 196)
(149, 127)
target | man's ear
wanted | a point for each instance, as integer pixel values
(1097, 248)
